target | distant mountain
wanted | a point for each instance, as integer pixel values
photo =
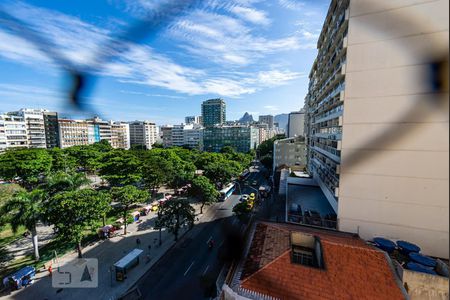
(246, 118)
(282, 120)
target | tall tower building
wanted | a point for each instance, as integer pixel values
(34, 119)
(377, 146)
(213, 112)
(267, 119)
(143, 133)
(296, 124)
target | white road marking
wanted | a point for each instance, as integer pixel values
(210, 238)
(221, 243)
(206, 270)
(189, 268)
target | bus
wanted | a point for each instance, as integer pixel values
(244, 175)
(226, 192)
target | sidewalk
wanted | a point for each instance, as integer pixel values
(109, 252)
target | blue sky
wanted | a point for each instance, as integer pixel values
(255, 54)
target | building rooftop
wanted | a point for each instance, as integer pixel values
(351, 269)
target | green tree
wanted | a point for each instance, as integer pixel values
(62, 160)
(120, 167)
(220, 172)
(174, 214)
(74, 213)
(29, 166)
(127, 196)
(242, 210)
(62, 181)
(204, 191)
(155, 172)
(25, 209)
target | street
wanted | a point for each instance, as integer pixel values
(189, 270)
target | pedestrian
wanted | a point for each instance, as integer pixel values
(149, 248)
(49, 270)
(138, 242)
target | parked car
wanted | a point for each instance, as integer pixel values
(313, 217)
(255, 182)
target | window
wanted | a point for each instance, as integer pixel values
(303, 256)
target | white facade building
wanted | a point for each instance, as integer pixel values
(13, 132)
(143, 133)
(34, 119)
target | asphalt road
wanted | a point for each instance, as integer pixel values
(190, 269)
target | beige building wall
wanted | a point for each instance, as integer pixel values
(395, 163)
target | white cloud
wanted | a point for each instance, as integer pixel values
(251, 15)
(272, 108)
(225, 40)
(292, 4)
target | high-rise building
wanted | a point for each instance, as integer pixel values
(289, 152)
(104, 128)
(267, 119)
(296, 124)
(213, 112)
(143, 133)
(13, 132)
(51, 129)
(120, 135)
(166, 133)
(34, 118)
(242, 138)
(192, 120)
(376, 147)
(193, 136)
(76, 133)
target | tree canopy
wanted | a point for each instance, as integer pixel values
(174, 214)
(204, 191)
(29, 166)
(73, 213)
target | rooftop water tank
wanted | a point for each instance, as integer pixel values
(422, 259)
(384, 244)
(407, 247)
(420, 268)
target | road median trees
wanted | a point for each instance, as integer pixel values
(204, 191)
(127, 196)
(174, 214)
(74, 213)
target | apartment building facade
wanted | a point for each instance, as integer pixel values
(243, 138)
(143, 133)
(213, 112)
(377, 148)
(51, 129)
(34, 119)
(296, 124)
(289, 152)
(120, 135)
(13, 132)
(267, 119)
(77, 133)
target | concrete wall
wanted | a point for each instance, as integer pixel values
(422, 286)
(395, 166)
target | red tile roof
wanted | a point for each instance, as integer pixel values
(352, 269)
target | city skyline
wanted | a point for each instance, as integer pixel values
(249, 46)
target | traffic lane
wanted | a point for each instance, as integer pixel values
(191, 273)
(167, 273)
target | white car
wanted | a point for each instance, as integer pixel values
(245, 197)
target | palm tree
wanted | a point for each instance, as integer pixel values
(25, 209)
(62, 181)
